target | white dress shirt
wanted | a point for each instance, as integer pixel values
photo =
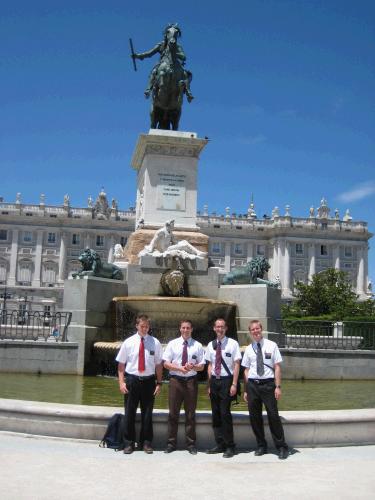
(271, 355)
(129, 352)
(230, 352)
(173, 354)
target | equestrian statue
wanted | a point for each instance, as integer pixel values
(168, 80)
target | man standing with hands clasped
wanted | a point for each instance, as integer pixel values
(223, 356)
(262, 376)
(183, 357)
(141, 356)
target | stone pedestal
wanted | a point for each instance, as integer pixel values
(167, 162)
(89, 298)
(146, 281)
(254, 302)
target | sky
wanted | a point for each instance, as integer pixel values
(284, 89)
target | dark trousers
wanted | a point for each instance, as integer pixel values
(182, 391)
(141, 392)
(221, 415)
(258, 394)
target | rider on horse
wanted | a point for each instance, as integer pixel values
(165, 62)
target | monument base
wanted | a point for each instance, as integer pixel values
(146, 281)
(89, 298)
(254, 302)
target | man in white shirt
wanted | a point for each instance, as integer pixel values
(223, 356)
(183, 357)
(141, 356)
(262, 377)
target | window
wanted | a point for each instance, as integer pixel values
(299, 248)
(24, 272)
(3, 272)
(49, 273)
(51, 238)
(99, 241)
(3, 234)
(216, 247)
(261, 249)
(323, 250)
(27, 236)
(347, 265)
(22, 308)
(75, 239)
(324, 225)
(348, 252)
(238, 249)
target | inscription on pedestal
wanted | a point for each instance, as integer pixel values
(171, 192)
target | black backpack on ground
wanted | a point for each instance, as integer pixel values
(114, 434)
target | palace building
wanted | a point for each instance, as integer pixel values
(40, 245)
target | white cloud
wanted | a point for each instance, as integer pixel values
(358, 192)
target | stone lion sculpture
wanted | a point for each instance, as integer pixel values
(252, 273)
(92, 265)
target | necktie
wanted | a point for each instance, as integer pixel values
(141, 356)
(260, 365)
(218, 360)
(184, 354)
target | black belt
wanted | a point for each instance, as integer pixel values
(261, 381)
(140, 378)
(224, 377)
(183, 379)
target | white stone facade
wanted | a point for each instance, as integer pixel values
(40, 245)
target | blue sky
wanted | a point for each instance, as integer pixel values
(283, 89)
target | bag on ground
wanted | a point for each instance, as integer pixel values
(114, 434)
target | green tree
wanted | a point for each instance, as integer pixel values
(329, 293)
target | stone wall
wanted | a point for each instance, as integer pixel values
(18, 356)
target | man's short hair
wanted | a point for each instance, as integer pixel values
(186, 321)
(220, 319)
(255, 321)
(142, 317)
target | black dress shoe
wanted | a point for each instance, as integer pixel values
(128, 450)
(228, 453)
(215, 449)
(192, 449)
(169, 449)
(283, 453)
(147, 449)
(260, 451)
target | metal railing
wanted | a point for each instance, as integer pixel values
(314, 334)
(34, 325)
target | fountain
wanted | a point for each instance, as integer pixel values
(165, 268)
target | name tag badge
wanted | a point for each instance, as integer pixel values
(268, 355)
(152, 353)
(228, 355)
(194, 356)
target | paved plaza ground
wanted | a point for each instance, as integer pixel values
(34, 467)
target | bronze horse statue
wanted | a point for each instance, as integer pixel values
(168, 81)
